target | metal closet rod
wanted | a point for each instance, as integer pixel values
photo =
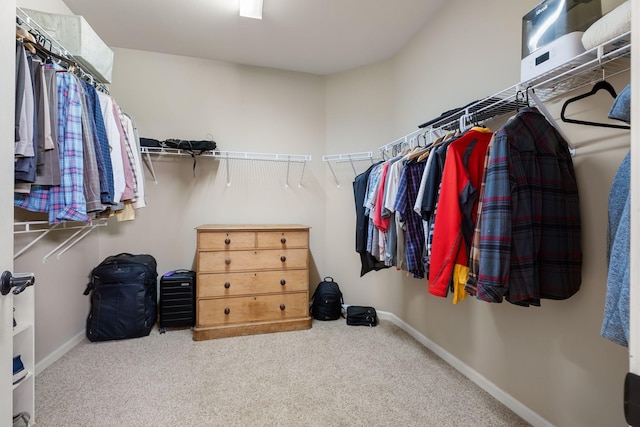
(409, 140)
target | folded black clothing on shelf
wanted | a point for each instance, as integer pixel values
(192, 146)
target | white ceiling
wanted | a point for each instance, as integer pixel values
(314, 36)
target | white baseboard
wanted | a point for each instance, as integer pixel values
(59, 352)
(509, 401)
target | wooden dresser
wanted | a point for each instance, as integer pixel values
(251, 279)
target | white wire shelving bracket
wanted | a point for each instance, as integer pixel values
(147, 151)
(348, 157)
(44, 228)
(269, 157)
(228, 155)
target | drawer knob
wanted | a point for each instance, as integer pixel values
(282, 307)
(227, 241)
(227, 310)
(283, 258)
(283, 282)
(227, 285)
(227, 261)
(283, 240)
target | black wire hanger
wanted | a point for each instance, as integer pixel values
(601, 85)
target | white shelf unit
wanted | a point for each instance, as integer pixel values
(24, 345)
(604, 61)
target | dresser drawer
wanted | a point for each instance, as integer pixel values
(260, 308)
(234, 284)
(283, 239)
(220, 240)
(229, 261)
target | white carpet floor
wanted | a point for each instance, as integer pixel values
(329, 375)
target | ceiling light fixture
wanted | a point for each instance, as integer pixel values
(251, 9)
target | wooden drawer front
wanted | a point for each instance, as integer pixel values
(218, 240)
(260, 308)
(283, 239)
(233, 284)
(228, 261)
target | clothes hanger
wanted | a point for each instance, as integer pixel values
(537, 102)
(601, 85)
(420, 150)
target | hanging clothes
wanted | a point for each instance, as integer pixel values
(101, 142)
(48, 170)
(64, 153)
(91, 172)
(395, 248)
(25, 150)
(414, 231)
(530, 242)
(615, 325)
(456, 212)
(368, 262)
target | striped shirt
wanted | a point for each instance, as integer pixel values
(407, 192)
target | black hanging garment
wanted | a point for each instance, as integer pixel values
(123, 292)
(368, 261)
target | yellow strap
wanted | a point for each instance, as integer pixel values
(460, 276)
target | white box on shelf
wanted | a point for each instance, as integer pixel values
(77, 36)
(552, 34)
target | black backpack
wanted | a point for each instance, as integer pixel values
(327, 301)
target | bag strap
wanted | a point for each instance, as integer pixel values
(328, 279)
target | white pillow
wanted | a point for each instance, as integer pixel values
(611, 25)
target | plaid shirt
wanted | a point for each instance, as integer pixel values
(65, 202)
(91, 172)
(101, 142)
(407, 193)
(474, 253)
(530, 243)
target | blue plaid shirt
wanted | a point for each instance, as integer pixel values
(407, 192)
(65, 202)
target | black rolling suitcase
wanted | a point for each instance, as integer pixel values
(124, 295)
(177, 299)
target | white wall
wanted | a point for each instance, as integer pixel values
(244, 109)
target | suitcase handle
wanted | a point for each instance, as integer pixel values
(171, 273)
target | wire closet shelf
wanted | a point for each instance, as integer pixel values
(604, 61)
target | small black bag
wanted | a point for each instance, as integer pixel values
(327, 301)
(361, 316)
